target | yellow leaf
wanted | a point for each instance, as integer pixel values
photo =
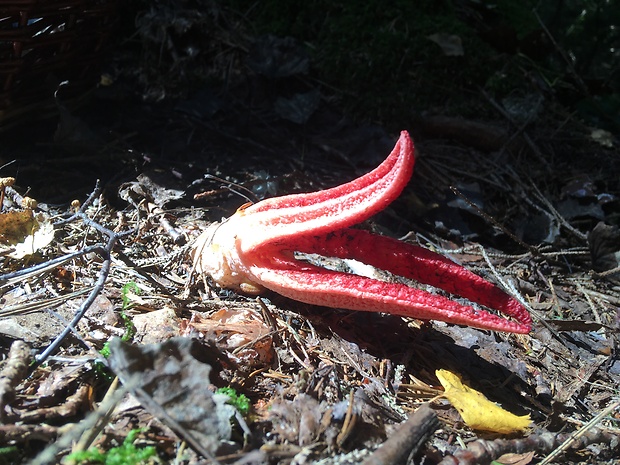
(477, 411)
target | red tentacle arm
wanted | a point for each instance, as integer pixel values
(319, 286)
(401, 154)
(335, 208)
(417, 263)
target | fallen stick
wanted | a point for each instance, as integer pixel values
(407, 440)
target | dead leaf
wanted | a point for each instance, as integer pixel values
(16, 225)
(605, 138)
(25, 232)
(577, 325)
(516, 459)
(604, 245)
(241, 332)
(538, 228)
(298, 420)
(173, 386)
(64, 278)
(451, 45)
(298, 108)
(148, 186)
(477, 411)
(78, 402)
(580, 208)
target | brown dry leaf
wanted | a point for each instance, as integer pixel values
(240, 331)
(25, 232)
(16, 225)
(298, 420)
(172, 384)
(516, 459)
(451, 44)
(70, 406)
(477, 411)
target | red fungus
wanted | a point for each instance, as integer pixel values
(254, 249)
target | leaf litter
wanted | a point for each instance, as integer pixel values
(325, 386)
(321, 382)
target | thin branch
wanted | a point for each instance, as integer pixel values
(104, 252)
(574, 437)
(482, 451)
(407, 440)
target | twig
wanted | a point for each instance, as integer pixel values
(177, 236)
(15, 196)
(35, 306)
(509, 287)
(15, 433)
(482, 451)
(91, 198)
(104, 252)
(229, 185)
(49, 454)
(533, 250)
(147, 276)
(13, 372)
(574, 437)
(408, 439)
(556, 214)
(16, 276)
(89, 435)
(349, 421)
(603, 274)
(70, 407)
(597, 316)
(612, 299)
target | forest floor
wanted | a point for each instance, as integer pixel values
(528, 205)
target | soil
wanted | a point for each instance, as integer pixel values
(531, 207)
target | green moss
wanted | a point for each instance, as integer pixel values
(125, 454)
(130, 329)
(9, 455)
(239, 401)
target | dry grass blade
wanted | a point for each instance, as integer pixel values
(29, 307)
(88, 436)
(49, 455)
(17, 276)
